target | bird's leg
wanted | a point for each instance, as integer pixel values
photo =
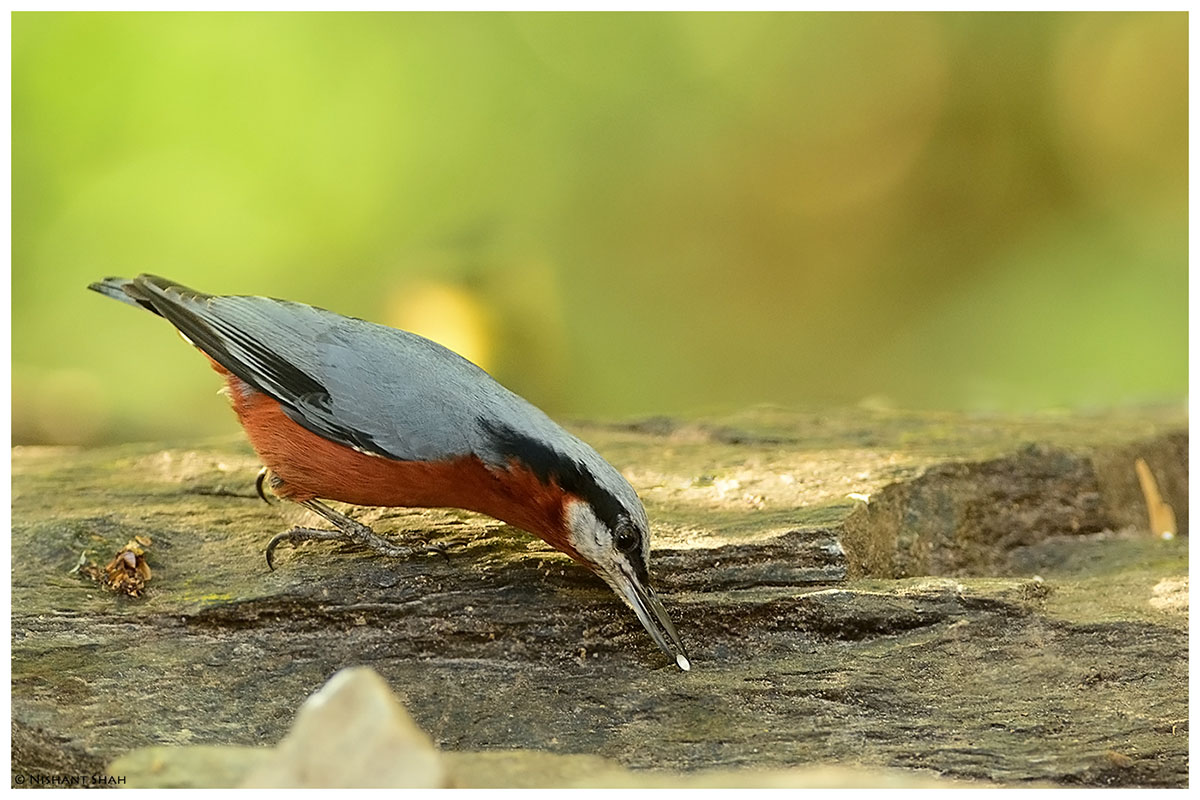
(348, 530)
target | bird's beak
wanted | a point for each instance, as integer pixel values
(650, 612)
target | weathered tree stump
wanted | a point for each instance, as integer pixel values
(972, 597)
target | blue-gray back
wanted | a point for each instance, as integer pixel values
(378, 389)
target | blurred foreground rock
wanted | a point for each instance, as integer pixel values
(353, 733)
(867, 596)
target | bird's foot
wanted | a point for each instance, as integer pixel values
(365, 538)
(351, 532)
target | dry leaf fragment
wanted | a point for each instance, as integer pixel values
(1162, 516)
(128, 572)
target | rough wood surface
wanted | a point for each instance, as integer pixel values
(995, 609)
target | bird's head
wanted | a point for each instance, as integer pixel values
(582, 505)
(617, 548)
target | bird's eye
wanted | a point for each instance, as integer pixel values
(626, 540)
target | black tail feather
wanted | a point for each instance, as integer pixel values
(135, 292)
(124, 290)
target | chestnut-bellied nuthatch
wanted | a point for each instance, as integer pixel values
(342, 409)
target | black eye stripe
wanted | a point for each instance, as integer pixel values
(552, 466)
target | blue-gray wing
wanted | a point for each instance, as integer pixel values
(364, 385)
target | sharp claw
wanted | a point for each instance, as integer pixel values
(443, 548)
(263, 474)
(271, 545)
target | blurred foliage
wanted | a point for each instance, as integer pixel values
(617, 214)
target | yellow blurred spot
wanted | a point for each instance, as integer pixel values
(449, 315)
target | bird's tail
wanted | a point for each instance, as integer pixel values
(145, 290)
(125, 290)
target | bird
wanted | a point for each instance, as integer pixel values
(339, 408)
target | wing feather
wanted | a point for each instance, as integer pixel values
(255, 356)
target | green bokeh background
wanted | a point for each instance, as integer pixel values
(620, 214)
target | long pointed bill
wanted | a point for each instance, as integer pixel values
(652, 615)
